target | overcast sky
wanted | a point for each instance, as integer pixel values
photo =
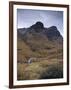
(28, 17)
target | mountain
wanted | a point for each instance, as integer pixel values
(40, 41)
(51, 33)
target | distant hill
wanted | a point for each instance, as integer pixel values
(41, 41)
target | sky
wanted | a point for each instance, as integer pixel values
(28, 17)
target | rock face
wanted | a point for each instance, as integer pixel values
(53, 33)
(38, 25)
(50, 33)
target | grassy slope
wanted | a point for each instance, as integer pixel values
(50, 68)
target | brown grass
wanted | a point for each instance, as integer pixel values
(40, 70)
(52, 67)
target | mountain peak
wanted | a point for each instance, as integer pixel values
(38, 26)
(38, 29)
(53, 33)
(54, 27)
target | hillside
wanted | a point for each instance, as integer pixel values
(40, 44)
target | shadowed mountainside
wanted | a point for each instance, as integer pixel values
(51, 33)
